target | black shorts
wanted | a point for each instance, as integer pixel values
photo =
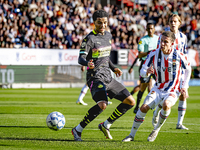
(101, 91)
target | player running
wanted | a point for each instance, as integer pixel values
(95, 53)
(166, 63)
(180, 44)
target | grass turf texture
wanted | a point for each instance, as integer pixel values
(23, 115)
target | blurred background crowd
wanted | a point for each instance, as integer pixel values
(62, 24)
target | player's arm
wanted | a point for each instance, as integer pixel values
(116, 70)
(82, 68)
(185, 64)
(131, 68)
(147, 67)
(86, 46)
(185, 46)
(141, 45)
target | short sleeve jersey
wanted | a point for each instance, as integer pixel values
(167, 69)
(98, 48)
(147, 43)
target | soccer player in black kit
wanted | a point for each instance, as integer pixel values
(95, 54)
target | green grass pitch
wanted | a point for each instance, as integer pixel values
(23, 115)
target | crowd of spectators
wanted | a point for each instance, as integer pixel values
(62, 24)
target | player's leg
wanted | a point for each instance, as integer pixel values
(135, 89)
(156, 114)
(164, 113)
(181, 112)
(118, 91)
(169, 99)
(143, 86)
(82, 94)
(149, 102)
(99, 95)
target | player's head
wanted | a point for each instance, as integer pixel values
(100, 18)
(167, 41)
(174, 22)
(150, 29)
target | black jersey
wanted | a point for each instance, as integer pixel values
(97, 47)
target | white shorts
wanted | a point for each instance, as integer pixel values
(157, 96)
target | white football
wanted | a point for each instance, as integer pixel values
(55, 121)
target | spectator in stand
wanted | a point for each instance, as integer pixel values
(123, 21)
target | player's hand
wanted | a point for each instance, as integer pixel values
(184, 93)
(118, 72)
(130, 70)
(150, 70)
(91, 64)
(82, 68)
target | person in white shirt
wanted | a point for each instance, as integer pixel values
(166, 63)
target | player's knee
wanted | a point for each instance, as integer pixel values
(167, 105)
(102, 105)
(129, 100)
(144, 108)
(182, 97)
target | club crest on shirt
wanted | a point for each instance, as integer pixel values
(152, 92)
(100, 86)
(140, 42)
(174, 61)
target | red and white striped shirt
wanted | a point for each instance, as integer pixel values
(168, 69)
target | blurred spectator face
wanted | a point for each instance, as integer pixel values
(174, 24)
(150, 29)
(101, 25)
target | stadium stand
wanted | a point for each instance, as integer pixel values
(62, 24)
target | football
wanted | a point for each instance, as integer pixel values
(55, 121)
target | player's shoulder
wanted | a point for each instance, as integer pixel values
(153, 52)
(182, 35)
(144, 37)
(89, 36)
(108, 33)
(181, 54)
(156, 36)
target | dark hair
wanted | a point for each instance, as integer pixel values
(99, 14)
(150, 23)
(169, 34)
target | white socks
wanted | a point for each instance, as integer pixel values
(79, 128)
(158, 108)
(107, 124)
(83, 92)
(139, 118)
(162, 118)
(181, 111)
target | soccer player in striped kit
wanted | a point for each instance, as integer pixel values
(166, 63)
(180, 44)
